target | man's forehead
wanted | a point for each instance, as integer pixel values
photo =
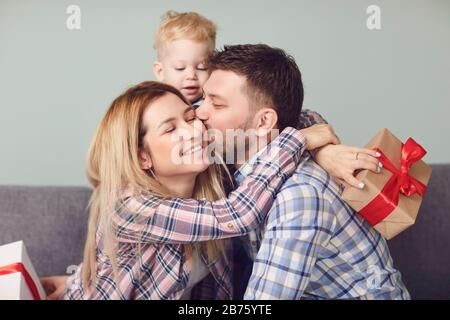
(221, 82)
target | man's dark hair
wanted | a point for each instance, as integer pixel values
(273, 78)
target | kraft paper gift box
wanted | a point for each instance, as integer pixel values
(18, 279)
(403, 176)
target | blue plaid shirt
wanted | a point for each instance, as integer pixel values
(312, 245)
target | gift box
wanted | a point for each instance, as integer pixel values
(18, 279)
(390, 200)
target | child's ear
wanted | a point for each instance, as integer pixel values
(145, 161)
(158, 71)
(266, 120)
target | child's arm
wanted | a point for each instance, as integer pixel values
(309, 118)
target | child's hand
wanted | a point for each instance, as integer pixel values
(55, 286)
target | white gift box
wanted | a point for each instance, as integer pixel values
(18, 279)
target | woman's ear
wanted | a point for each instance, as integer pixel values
(145, 161)
(158, 71)
(266, 120)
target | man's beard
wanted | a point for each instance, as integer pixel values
(232, 146)
(240, 145)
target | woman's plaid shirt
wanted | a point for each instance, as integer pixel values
(161, 226)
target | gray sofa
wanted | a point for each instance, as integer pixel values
(52, 222)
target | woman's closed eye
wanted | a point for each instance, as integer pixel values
(169, 129)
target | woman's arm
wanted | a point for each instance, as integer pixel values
(156, 220)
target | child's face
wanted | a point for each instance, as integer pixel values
(183, 66)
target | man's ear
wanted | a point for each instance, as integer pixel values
(145, 161)
(158, 71)
(266, 120)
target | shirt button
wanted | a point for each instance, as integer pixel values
(230, 225)
(253, 243)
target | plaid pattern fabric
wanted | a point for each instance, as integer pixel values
(314, 246)
(161, 226)
(249, 243)
(253, 239)
(309, 118)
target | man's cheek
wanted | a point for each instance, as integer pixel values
(225, 125)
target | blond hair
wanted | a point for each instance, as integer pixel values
(184, 25)
(113, 165)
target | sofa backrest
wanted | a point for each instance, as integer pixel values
(422, 252)
(50, 220)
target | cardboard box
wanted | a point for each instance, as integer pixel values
(365, 200)
(18, 279)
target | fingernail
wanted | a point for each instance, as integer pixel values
(378, 154)
(380, 165)
(361, 185)
(378, 169)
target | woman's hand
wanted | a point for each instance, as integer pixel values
(319, 135)
(341, 162)
(55, 286)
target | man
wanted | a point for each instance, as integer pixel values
(312, 244)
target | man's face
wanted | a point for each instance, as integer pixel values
(226, 104)
(225, 109)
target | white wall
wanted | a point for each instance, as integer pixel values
(55, 84)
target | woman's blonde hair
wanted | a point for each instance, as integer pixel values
(184, 25)
(113, 164)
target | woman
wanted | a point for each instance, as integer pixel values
(146, 239)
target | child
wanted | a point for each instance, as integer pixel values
(183, 43)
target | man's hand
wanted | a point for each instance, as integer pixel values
(319, 135)
(55, 286)
(341, 162)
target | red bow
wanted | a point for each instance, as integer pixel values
(400, 182)
(19, 267)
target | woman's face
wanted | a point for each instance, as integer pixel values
(173, 143)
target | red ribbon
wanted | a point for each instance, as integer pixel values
(400, 182)
(19, 267)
